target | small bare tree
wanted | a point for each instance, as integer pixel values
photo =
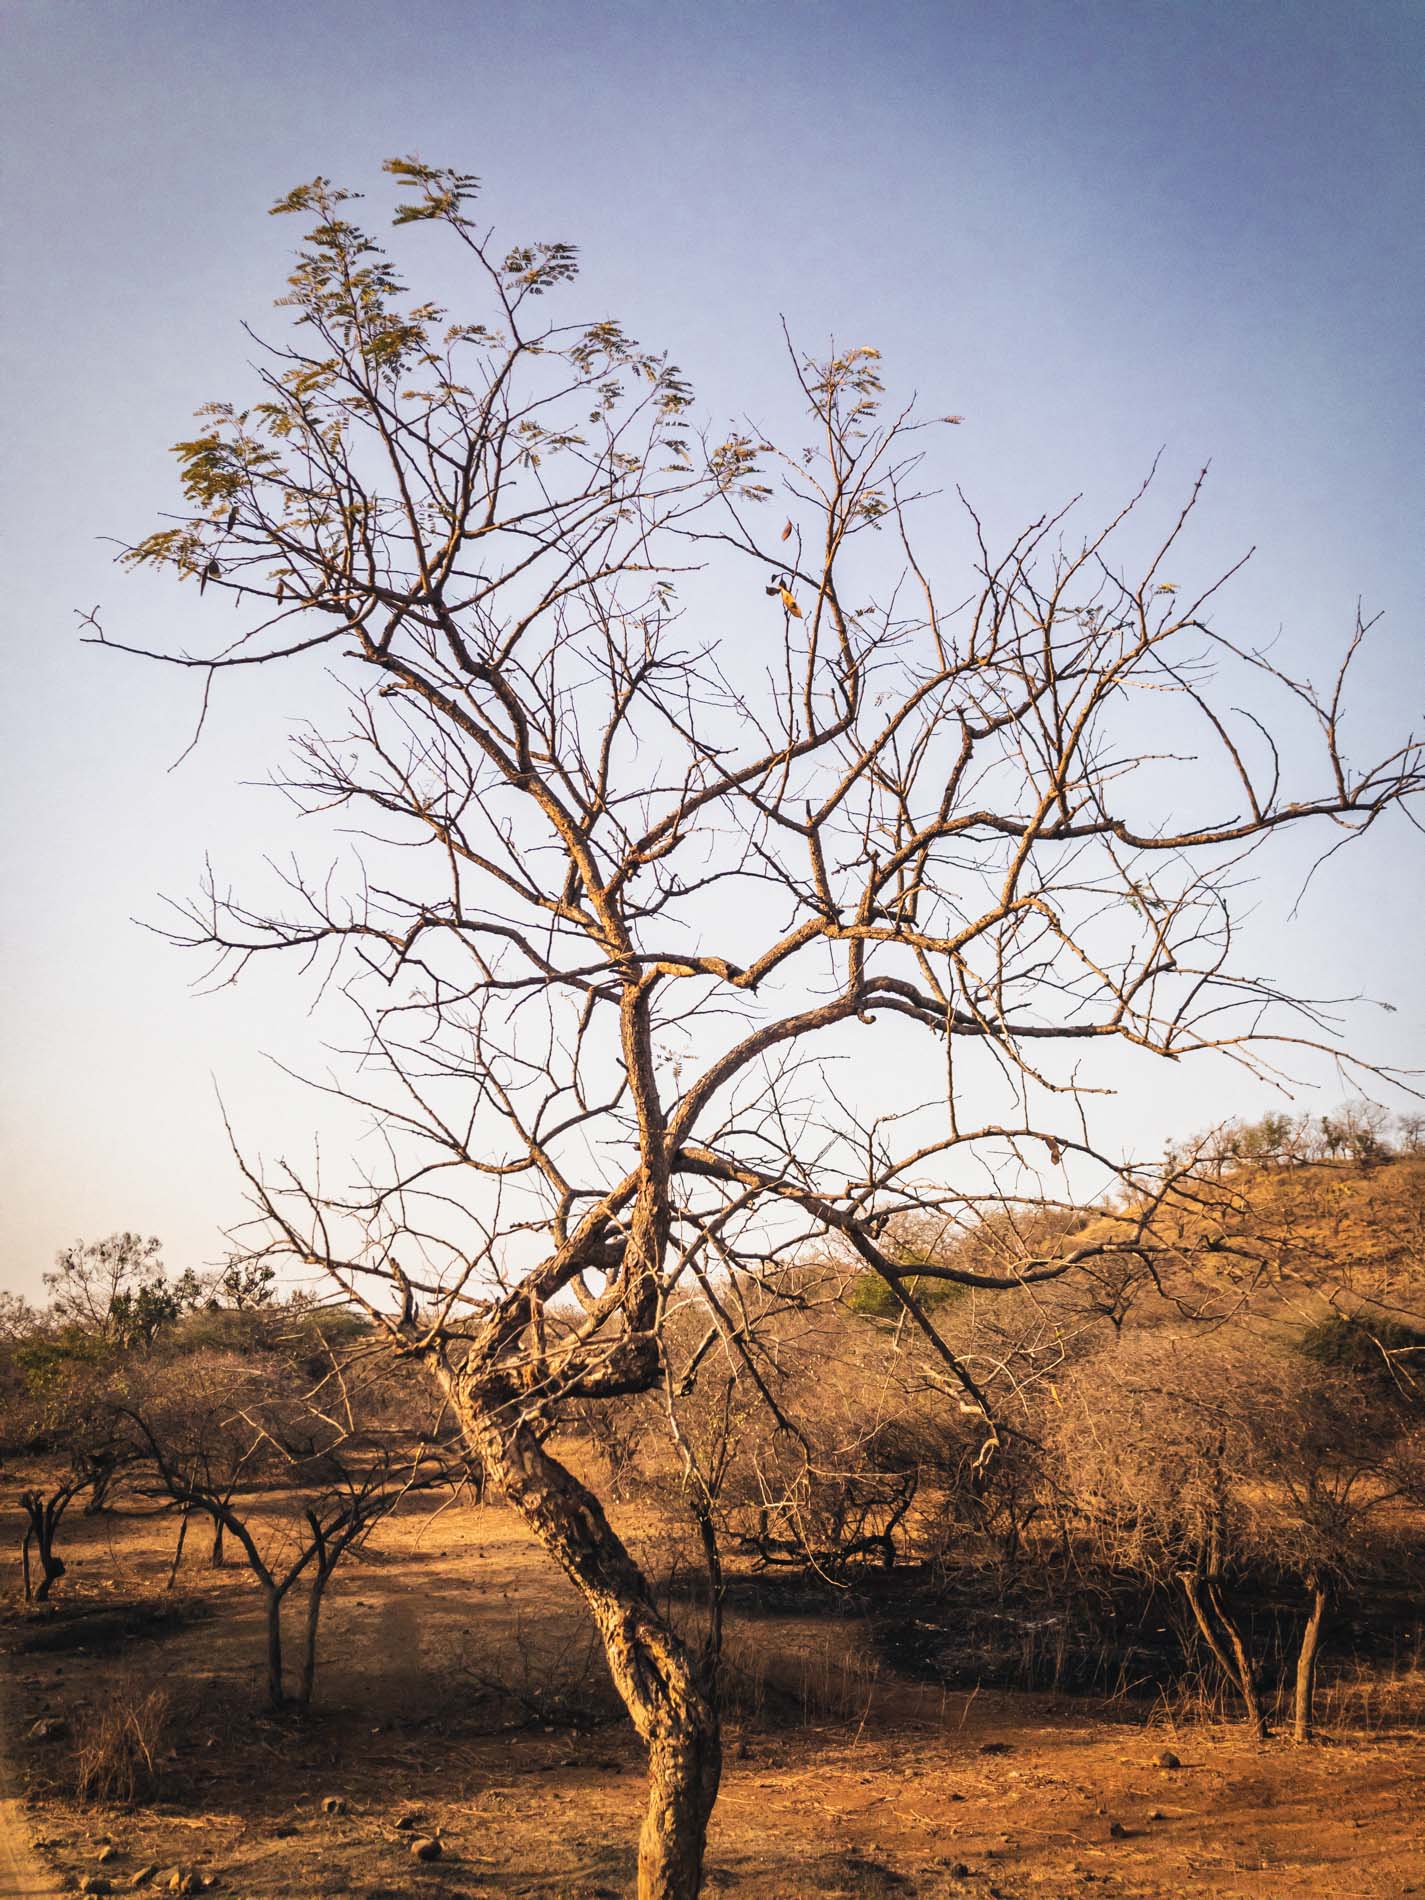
(58, 1411)
(297, 1476)
(690, 949)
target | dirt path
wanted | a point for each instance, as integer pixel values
(21, 1876)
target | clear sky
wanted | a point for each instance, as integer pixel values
(1095, 227)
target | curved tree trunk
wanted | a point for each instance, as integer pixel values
(42, 1517)
(1306, 1657)
(658, 1679)
(51, 1570)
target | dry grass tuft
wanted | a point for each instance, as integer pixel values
(119, 1745)
(824, 1678)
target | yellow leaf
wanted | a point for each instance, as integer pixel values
(789, 602)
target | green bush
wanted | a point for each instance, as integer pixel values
(871, 1298)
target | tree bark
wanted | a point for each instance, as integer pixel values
(276, 1695)
(43, 1519)
(1302, 1727)
(1234, 1665)
(316, 1591)
(652, 1669)
(178, 1551)
(1246, 1675)
(52, 1569)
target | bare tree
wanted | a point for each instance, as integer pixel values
(60, 1413)
(298, 1477)
(681, 950)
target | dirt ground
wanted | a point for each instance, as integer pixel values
(459, 1700)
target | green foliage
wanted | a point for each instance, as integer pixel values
(444, 193)
(1358, 1132)
(871, 1298)
(45, 1359)
(247, 1283)
(282, 510)
(1271, 1139)
(116, 1289)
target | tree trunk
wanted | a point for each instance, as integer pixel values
(652, 1669)
(1306, 1662)
(317, 1590)
(215, 1555)
(275, 1693)
(1246, 1675)
(1235, 1666)
(43, 1522)
(52, 1569)
(178, 1551)
(684, 1767)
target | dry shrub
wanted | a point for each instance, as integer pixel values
(544, 1676)
(119, 1745)
(1375, 1698)
(826, 1680)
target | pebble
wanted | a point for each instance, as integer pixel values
(428, 1849)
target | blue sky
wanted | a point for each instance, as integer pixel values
(1094, 229)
